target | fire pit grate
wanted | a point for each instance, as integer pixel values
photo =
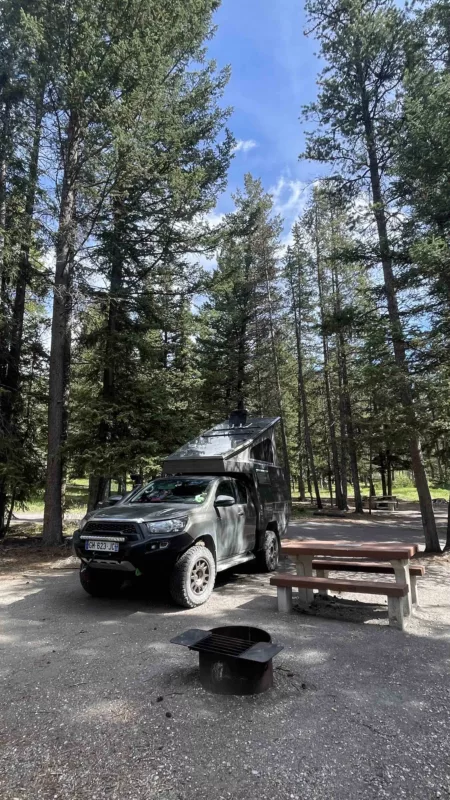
(221, 645)
(233, 660)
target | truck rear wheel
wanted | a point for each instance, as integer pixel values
(193, 577)
(100, 582)
(269, 555)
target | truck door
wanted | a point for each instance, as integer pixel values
(246, 518)
(229, 520)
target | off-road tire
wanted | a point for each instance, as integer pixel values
(269, 555)
(100, 583)
(183, 582)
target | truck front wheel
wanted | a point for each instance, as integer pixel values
(193, 577)
(100, 582)
(269, 554)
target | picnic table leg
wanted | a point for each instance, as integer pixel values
(401, 570)
(414, 594)
(322, 573)
(304, 568)
(395, 611)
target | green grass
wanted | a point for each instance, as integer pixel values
(78, 489)
(76, 498)
(409, 492)
(77, 494)
(406, 493)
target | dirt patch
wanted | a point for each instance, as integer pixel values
(434, 560)
(19, 553)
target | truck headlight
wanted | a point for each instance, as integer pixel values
(166, 526)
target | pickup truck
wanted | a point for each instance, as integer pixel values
(190, 525)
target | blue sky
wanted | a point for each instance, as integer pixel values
(274, 71)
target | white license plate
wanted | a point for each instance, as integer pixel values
(111, 547)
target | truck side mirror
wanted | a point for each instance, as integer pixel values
(224, 501)
(114, 498)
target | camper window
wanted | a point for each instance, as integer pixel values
(263, 451)
(264, 484)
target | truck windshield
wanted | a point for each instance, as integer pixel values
(174, 490)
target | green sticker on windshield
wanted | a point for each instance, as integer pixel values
(199, 498)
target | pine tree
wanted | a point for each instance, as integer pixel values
(241, 353)
(23, 98)
(298, 275)
(110, 55)
(359, 115)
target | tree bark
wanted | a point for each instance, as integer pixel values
(447, 543)
(301, 479)
(432, 544)
(4, 304)
(359, 509)
(348, 440)
(330, 483)
(301, 390)
(389, 473)
(23, 277)
(308, 482)
(11, 356)
(383, 473)
(61, 335)
(344, 435)
(340, 502)
(98, 484)
(277, 378)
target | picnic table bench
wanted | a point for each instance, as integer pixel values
(385, 501)
(395, 592)
(323, 566)
(307, 552)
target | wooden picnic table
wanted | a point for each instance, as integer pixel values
(397, 553)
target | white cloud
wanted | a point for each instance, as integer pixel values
(289, 197)
(214, 219)
(244, 145)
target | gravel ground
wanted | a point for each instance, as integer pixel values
(96, 703)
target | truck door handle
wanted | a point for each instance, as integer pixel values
(241, 513)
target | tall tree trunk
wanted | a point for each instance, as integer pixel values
(371, 484)
(383, 473)
(99, 483)
(301, 479)
(301, 390)
(359, 509)
(348, 442)
(277, 378)
(432, 544)
(258, 370)
(4, 278)
(23, 276)
(60, 346)
(340, 502)
(242, 335)
(447, 543)
(10, 358)
(4, 298)
(344, 434)
(330, 483)
(389, 472)
(241, 354)
(441, 476)
(308, 482)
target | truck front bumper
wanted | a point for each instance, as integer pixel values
(152, 553)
